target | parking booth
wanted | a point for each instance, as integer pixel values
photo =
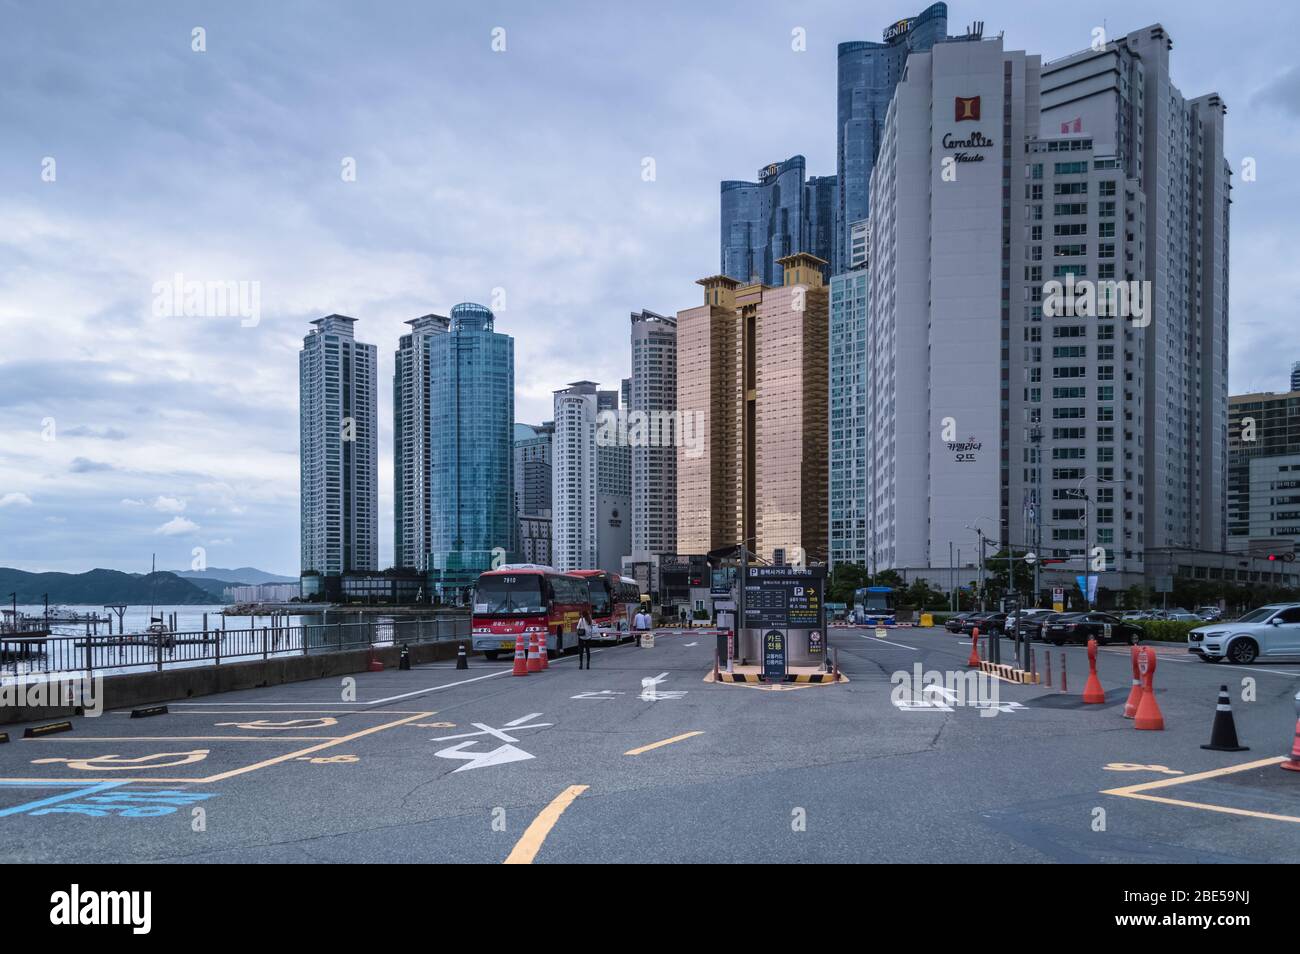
(789, 601)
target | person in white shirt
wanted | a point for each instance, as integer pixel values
(642, 624)
(584, 645)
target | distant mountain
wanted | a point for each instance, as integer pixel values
(243, 574)
(99, 587)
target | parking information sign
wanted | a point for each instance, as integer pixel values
(785, 597)
(774, 655)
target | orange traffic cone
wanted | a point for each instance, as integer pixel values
(1293, 763)
(521, 657)
(1148, 715)
(543, 656)
(1134, 694)
(1093, 694)
(974, 659)
(534, 663)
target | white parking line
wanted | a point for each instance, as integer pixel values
(877, 639)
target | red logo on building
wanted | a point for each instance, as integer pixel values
(968, 107)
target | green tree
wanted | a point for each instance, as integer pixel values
(995, 575)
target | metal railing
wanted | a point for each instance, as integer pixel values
(158, 651)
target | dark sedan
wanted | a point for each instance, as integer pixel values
(1032, 626)
(953, 623)
(1080, 627)
(986, 623)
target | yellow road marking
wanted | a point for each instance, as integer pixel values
(1139, 791)
(530, 842)
(1134, 767)
(1212, 808)
(655, 745)
(1184, 779)
(266, 763)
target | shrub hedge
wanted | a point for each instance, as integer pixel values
(1168, 630)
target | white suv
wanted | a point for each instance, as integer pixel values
(1270, 632)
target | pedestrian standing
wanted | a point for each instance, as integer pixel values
(584, 642)
(642, 623)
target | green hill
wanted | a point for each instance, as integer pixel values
(99, 587)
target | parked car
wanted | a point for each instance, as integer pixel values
(1134, 615)
(1210, 613)
(986, 622)
(1033, 626)
(1080, 627)
(1270, 632)
(953, 623)
(1020, 621)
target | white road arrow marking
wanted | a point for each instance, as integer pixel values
(651, 694)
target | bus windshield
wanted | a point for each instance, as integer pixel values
(599, 596)
(498, 595)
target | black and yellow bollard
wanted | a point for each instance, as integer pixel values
(404, 661)
(462, 660)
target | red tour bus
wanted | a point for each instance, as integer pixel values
(614, 600)
(527, 598)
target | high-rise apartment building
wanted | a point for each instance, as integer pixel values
(471, 409)
(591, 485)
(779, 215)
(1122, 96)
(412, 528)
(654, 460)
(847, 412)
(339, 454)
(1025, 381)
(533, 490)
(942, 234)
(573, 477)
(751, 374)
(1264, 472)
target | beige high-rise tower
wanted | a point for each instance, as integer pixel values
(751, 379)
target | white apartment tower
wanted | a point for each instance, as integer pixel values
(411, 441)
(338, 449)
(654, 465)
(1122, 97)
(940, 246)
(573, 477)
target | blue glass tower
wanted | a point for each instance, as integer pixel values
(471, 410)
(868, 73)
(778, 215)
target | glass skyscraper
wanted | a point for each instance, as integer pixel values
(470, 412)
(868, 73)
(781, 214)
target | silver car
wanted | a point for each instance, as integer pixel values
(1270, 632)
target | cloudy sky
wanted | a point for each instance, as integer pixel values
(125, 432)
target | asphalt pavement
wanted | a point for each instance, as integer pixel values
(640, 759)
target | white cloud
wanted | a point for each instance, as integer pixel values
(176, 526)
(128, 502)
(16, 500)
(169, 505)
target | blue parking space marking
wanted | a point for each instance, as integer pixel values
(82, 790)
(89, 800)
